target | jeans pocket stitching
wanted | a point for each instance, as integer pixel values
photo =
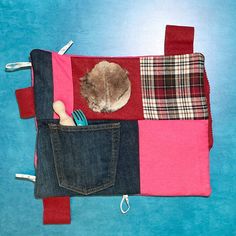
(88, 128)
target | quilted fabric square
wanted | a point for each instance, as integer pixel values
(172, 87)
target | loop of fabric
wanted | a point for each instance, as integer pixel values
(65, 48)
(179, 40)
(125, 198)
(31, 178)
(25, 100)
(56, 210)
(10, 67)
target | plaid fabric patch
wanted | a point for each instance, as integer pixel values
(172, 87)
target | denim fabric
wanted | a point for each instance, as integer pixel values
(43, 83)
(46, 180)
(85, 157)
(99, 159)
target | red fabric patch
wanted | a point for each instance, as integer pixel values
(179, 40)
(133, 110)
(25, 99)
(56, 210)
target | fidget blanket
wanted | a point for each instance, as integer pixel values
(149, 124)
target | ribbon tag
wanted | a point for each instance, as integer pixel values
(31, 178)
(17, 65)
(65, 48)
(125, 198)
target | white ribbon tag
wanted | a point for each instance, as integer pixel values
(126, 199)
(17, 65)
(65, 48)
(26, 177)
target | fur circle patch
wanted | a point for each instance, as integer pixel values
(106, 87)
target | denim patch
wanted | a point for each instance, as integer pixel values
(99, 159)
(43, 83)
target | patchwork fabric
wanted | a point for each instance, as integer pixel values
(165, 155)
(172, 87)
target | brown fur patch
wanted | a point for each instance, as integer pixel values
(106, 87)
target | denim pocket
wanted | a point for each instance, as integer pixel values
(85, 157)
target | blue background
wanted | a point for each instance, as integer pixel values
(117, 28)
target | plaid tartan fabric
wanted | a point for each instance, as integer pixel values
(172, 87)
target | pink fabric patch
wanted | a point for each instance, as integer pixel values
(62, 81)
(174, 158)
(35, 159)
